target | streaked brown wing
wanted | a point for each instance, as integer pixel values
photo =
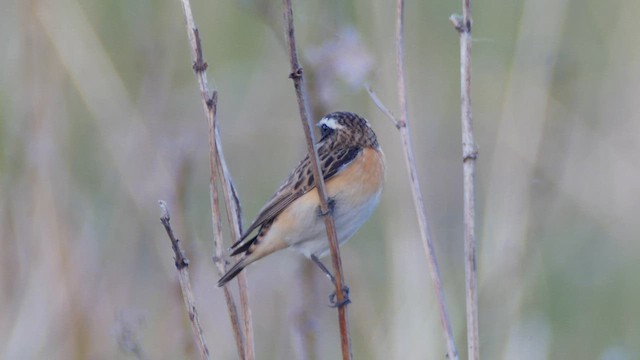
(300, 182)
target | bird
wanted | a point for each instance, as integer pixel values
(353, 167)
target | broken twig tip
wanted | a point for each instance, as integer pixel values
(164, 211)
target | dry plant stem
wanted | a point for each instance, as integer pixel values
(234, 215)
(427, 242)
(218, 258)
(210, 106)
(298, 83)
(469, 156)
(182, 265)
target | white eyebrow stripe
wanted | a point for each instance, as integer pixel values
(331, 123)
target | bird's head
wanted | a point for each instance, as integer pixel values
(347, 129)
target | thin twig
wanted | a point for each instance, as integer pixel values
(403, 126)
(376, 100)
(469, 154)
(182, 265)
(210, 103)
(298, 83)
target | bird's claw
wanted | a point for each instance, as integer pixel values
(333, 298)
(331, 204)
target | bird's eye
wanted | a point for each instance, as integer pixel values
(325, 130)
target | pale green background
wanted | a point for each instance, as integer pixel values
(100, 117)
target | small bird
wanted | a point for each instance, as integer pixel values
(353, 167)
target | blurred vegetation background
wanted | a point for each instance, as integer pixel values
(100, 117)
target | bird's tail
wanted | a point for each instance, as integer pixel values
(242, 263)
(254, 249)
(234, 271)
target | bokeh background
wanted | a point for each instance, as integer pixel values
(100, 117)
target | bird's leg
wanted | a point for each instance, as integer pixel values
(331, 204)
(324, 269)
(333, 297)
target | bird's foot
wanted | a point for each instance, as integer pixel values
(333, 298)
(331, 204)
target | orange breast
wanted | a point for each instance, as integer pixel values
(362, 179)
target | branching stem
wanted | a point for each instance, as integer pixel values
(402, 124)
(243, 335)
(182, 265)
